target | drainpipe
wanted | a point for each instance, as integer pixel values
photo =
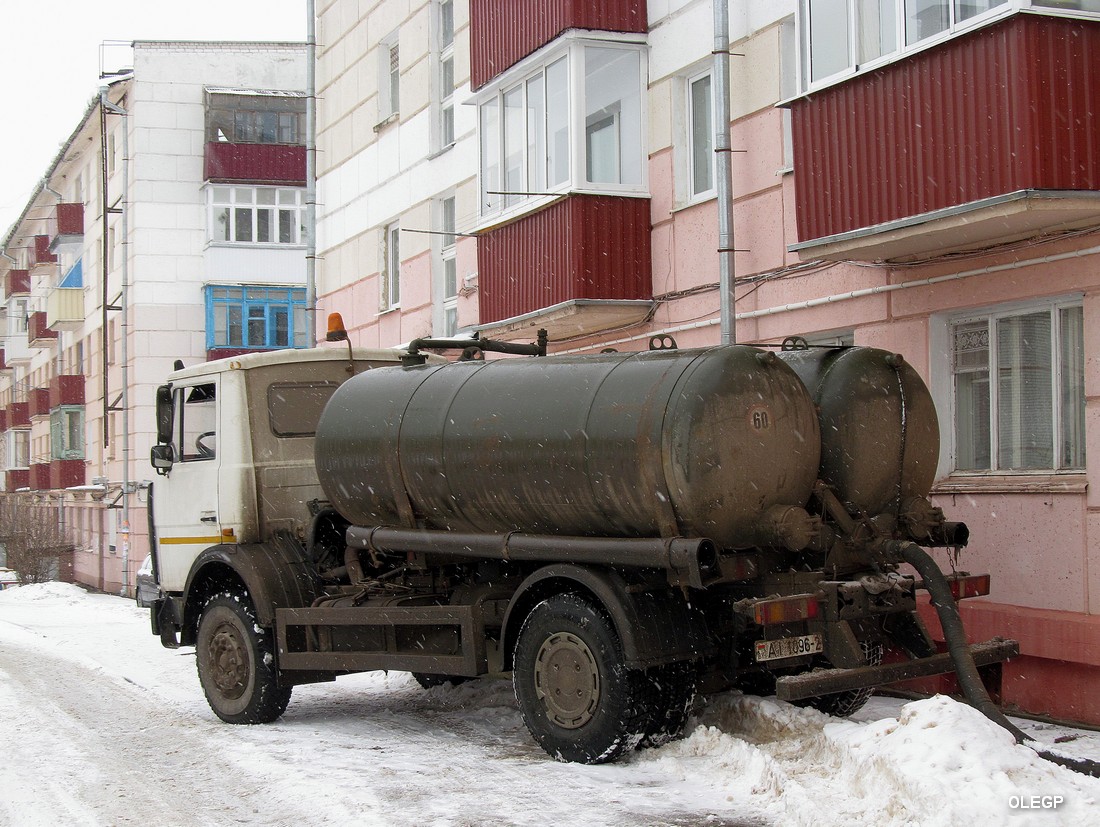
(723, 170)
(311, 171)
(124, 309)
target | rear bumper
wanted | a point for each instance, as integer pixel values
(828, 681)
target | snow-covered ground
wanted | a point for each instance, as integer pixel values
(99, 725)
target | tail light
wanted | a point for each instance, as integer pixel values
(968, 585)
(786, 609)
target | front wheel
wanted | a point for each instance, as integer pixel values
(576, 696)
(236, 663)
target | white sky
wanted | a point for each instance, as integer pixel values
(49, 56)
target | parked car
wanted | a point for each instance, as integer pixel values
(145, 586)
(8, 579)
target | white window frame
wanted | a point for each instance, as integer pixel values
(944, 385)
(857, 62)
(18, 308)
(693, 138)
(285, 199)
(17, 445)
(391, 267)
(444, 249)
(443, 93)
(571, 47)
(389, 78)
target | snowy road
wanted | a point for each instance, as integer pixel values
(101, 726)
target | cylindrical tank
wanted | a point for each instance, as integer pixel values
(880, 437)
(699, 443)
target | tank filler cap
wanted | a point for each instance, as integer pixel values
(766, 357)
(895, 360)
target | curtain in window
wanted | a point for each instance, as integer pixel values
(1072, 384)
(1025, 392)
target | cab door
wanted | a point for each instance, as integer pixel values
(186, 500)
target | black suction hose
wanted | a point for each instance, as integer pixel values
(969, 680)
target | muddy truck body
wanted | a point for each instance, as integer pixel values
(619, 531)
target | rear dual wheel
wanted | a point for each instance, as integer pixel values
(577, 696)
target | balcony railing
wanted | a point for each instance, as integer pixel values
(19, 415)
(38, 400)
(39, 252)
(17, 283)
(66, 389)
(256, 163)
(38, 332)
(40, 476)
(65, 473)
(65, 308)
(66, 228)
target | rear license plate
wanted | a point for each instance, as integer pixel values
(789, 647)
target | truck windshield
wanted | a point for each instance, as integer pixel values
(295, 407)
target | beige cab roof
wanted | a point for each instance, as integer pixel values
(292, 356)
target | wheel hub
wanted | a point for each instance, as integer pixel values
(567, 680)
(229, 662)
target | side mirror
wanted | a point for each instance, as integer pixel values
(162, 457)
(164, 414)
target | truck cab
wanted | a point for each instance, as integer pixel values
(235, 455)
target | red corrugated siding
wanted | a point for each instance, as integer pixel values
(65, 473)
(40, 476)
(66, 219)
(17, 283)
(40, 251)
(39, 399)
(37, 329)
(583, 247)
(256, 163)
(503, 32)
(19, 415)
(17, 479)
(67, 389)
(1013, 106)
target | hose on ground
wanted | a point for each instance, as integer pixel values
(967, 672)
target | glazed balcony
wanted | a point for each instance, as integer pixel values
(19, 415)
(38, 400)
(585, 262)
(66, 228)
(38, 331)
(503, 32)
(17, 283)
(989, 137)
(66, 389)
(255, 163)
(39, 251)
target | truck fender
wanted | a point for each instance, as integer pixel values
(273, 573)
(655, 626)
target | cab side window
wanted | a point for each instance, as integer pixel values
(197, 425)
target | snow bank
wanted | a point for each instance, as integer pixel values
(65, 593)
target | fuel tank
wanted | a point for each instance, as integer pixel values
(880, 437)
(699, 443)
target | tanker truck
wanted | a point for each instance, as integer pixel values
(619, 531)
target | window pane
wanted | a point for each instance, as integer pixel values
(877, 28)
(557, 123)
(263, 225)
(447, 125)
(536, 135)
(450, 321)
(924, 18)
(514, 141)
(257, 327)
(613, 116)
(221, 195)
(220, 325)
(221, 224)
(447, 77)
(286, 227)
(702, 137)
(490, 157)
(265, 196)
(235, 327)
(301, 327)
(242, 225)
(1072, 382)
(447, 23)
(829, 47)
(1024, 395)
(448, 220)
(280, 327)
(294, 408)
(243, 195)
(395, 79)
(965, 9)
(450, 278)
(972, 420)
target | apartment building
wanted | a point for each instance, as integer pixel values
(917, 176)
(168, 227)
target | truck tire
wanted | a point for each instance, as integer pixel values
(576, 696)
(674, 691)
(851, 701)
(235, 661)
